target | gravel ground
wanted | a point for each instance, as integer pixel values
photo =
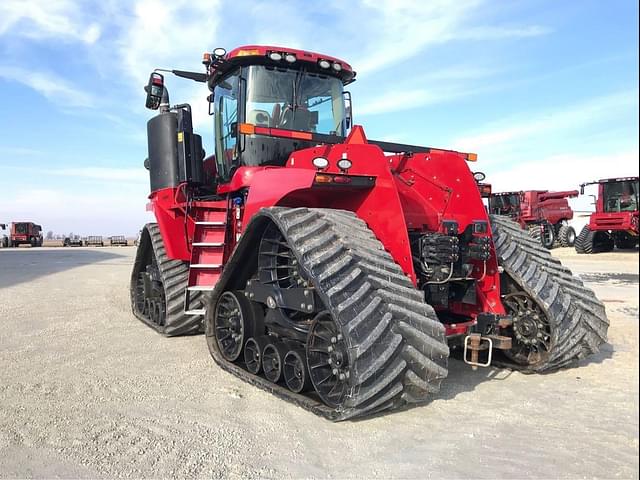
(88, 391)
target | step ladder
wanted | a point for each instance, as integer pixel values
(207, 255)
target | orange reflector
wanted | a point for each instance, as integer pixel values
(301, 135)
(472, 157)
(246, 53)
(206, 57)
(323, 178)
(247, 128)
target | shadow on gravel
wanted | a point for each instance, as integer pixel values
(462, 378)
(621, 278)
(25, 264)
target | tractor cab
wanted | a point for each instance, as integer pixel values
(267, 102)
(620, 196)
(507, 203)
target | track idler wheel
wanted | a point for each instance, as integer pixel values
(273, 361)
(296, 373)
(234, 320)
(253, 354)
(328, 360)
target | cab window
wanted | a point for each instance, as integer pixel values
(226, 124)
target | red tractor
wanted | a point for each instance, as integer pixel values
(543, 213)
(25, 233)
(615, 221)
(332, 270)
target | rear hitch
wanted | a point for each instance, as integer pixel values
(475, 343)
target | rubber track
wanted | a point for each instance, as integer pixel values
(578, 319)
(397, 347)
(584, 241)
(175, 275)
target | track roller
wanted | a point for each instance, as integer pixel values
(296, 373)
(253, 353)
(273, 361)
(234, 322)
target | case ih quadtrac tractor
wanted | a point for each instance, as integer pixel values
(543, 213)
(333, 270)
(615, 221)
(25, 233)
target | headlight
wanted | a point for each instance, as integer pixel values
(324, 64)
(275, 56)
(320, 163)
(479, 176)
(344, 164)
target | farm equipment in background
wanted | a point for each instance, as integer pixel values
(543, 213)
(4, 239)
(329, 269)
(615, 221)
(25, 233)
(94, 241)
(72, 241)
(118, 241)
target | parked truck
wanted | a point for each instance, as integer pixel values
(544, 214)
(333, 270)
(615, 221)
(25, 233)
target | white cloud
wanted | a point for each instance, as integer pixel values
(564, 172)
(128, 175)
(565, 118)
(41, 19)
(49, 85)
(114, 210)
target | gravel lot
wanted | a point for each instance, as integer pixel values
(88, 391)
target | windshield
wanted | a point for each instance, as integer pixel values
(295, 100)
(504, 204)
(621, 196)
(21, 228)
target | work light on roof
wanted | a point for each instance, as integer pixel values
(324, 63)
(337, 67)
(290, 57)
(219, 52)
(275, 56)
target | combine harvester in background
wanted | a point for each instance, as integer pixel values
(544, 214)
(25, 233)
(329, 273)
(615, 221)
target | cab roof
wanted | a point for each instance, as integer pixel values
(264, 55)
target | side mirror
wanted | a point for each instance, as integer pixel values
(233, 132)
(581, 189)
(154, 89)
(348, 107)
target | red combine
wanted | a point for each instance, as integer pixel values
(25, 233)
(329, 269)
(615, 221)
(543, 213)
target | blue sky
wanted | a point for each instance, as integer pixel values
(545, 92)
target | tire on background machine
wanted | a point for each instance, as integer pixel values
(566, 236)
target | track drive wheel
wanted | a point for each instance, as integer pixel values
(556, 319)
(158, 286)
